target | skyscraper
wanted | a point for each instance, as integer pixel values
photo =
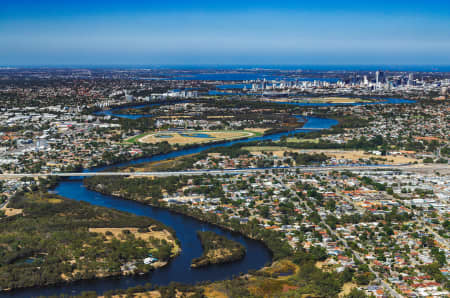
(411, 79)
(379, 77)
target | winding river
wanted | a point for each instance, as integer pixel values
(178, 270)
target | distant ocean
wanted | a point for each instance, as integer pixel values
(418, 68)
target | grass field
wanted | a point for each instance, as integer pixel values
(267, 148)
(158, 166)
(329, 99)
(135, 139)
(336, 100)
(296, 140)
(354, 155)
(192, 137)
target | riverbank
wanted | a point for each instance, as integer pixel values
(272, 240)
(55, 240)
(217, 249)
(178, 269)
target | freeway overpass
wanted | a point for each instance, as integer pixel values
(232, 171)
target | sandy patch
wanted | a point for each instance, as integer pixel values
(118, 234)
(150, 294)
(347, 288)
(283, 267)
(210, 292)
(11, 211)
(54, 201)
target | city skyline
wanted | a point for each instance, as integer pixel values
(198, 32)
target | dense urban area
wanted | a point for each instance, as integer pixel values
(343, 176)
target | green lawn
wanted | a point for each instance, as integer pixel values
(134, 140)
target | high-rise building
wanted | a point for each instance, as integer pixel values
(379, 77)
(263, 84)
(128, 97)
(411, 79)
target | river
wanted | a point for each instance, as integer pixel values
(178, 270)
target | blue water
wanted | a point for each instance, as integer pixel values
(316, 123)
(381, 101)
(185, 227)
(178, 269)
(244, 76)
(197, 135)
(164, 136)
(112, 112)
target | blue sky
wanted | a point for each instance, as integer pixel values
(261, 32)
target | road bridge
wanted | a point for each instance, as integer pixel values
(231, 171)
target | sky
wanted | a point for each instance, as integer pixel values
(201, 32)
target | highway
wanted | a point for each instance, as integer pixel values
(434, 167)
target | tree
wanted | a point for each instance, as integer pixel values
(355, 293)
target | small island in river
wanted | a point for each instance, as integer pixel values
(217, 249)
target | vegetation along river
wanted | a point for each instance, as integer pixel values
(179, 269)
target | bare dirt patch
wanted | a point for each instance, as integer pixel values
(211, 292)
(11, 211)
(347, 288)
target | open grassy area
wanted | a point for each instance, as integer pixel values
(297, 140)
(192, 136)
(163, 165)
(332, 99)
(152, 233)
(327, 99)
(266, 148)
(135, 139)
(354, 155)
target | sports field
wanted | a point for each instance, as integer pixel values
(329, 99)
(193, 136)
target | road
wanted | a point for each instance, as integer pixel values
(433, 167)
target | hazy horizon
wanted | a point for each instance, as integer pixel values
(268, 67)
(201, 32)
